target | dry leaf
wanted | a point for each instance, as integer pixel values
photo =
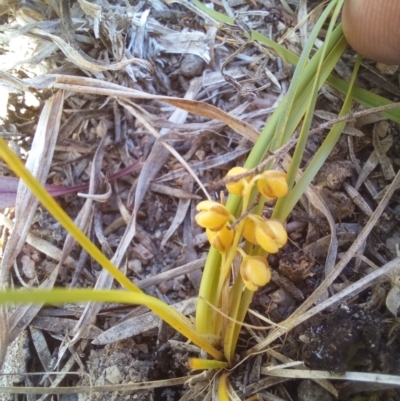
(139, 324)
(93, 10)
(38, 162)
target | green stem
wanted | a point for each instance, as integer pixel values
(235, 297)
(205, 315)
(231, 254)
(236, 302)
(245, 301)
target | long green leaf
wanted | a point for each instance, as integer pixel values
(366, 98)
(58, 213)
(62, 295)
(282, 211)
(303, 136)
(302, 79)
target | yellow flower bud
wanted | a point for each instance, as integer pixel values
(270, 235)
(255, 272)
(249, 229)
(237, 187)
(212, 215)
(221, 240)
(272, 184)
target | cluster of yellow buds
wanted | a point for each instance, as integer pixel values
(270, 235)
(214, 217)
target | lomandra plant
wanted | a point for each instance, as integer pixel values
(236, 230)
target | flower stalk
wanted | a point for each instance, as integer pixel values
(254, 270)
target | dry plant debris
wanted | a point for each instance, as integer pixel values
(88, 89)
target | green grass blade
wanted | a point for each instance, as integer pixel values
(223, 393)
(206, 364)
(339, 45)
(171, 316)
(282, 211)
(309, 114)
(335, 49)
(301, 78)
(366, 98)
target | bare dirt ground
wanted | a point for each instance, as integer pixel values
(116, 143)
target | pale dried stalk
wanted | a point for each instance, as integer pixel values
(97, 87)
(320, 374)
(95, 389)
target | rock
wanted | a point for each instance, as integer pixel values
(135, 265)
(310, 391)
(113, 375)
(142, 253)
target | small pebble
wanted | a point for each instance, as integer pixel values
(387, 69)
(157, 234)
(166, 286)
(143, 348)
(309, 391)
(113, 375)
(143, 254)
(200, 154)
(135, 265)
(192, 66)
(28, 266)
(178, 282)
